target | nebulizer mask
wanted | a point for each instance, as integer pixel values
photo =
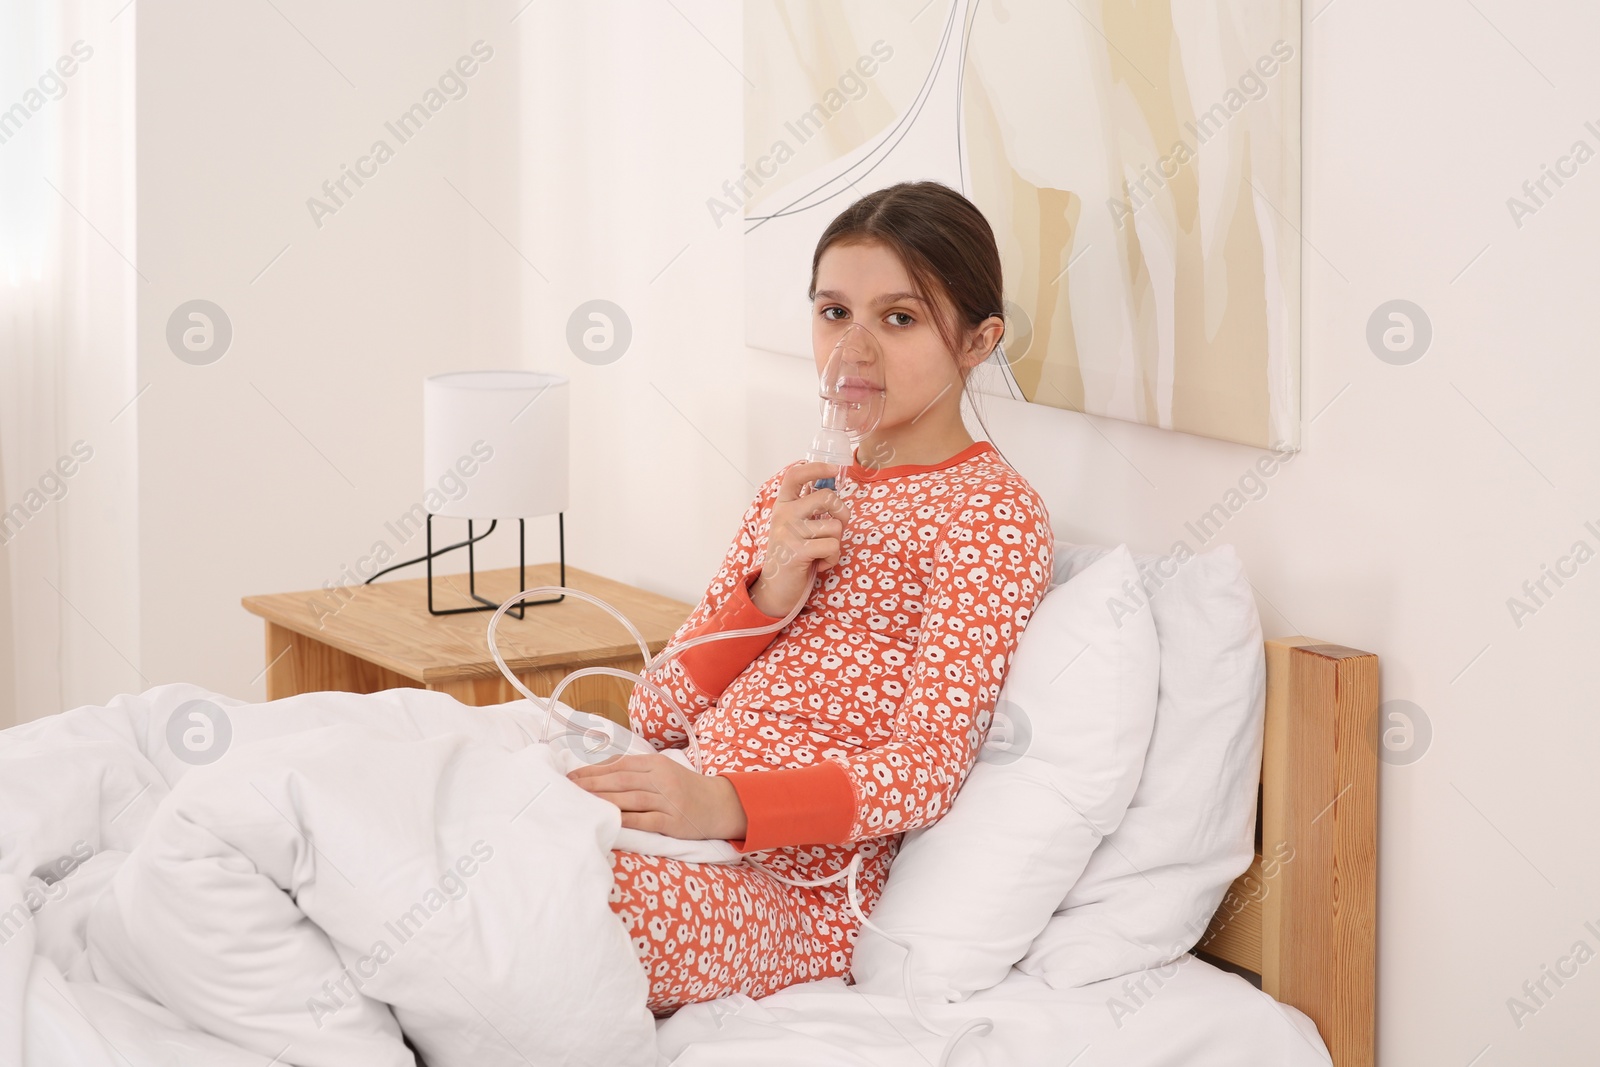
(852, 395)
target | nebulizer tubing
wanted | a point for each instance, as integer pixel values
(832, 444)
(650, 662)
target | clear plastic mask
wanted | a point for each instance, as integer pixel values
(852, 394)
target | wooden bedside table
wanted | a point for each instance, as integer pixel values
(383, 638)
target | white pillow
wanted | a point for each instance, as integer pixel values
(1056, 772)
(1151, 887)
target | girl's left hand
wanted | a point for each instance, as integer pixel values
(660, 794)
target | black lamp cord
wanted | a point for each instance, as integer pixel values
(437, 552)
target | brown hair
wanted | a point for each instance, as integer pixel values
(946, 246)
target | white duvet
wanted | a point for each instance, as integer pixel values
(352, 866)
(357, 866)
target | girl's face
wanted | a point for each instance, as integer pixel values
(865, 283)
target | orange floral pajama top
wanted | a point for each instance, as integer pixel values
(858, 721)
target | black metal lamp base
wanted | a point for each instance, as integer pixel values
(484, 603)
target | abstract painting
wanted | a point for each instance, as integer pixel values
(1139, 163)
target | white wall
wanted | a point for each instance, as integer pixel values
(277, 466)
(1424, 497)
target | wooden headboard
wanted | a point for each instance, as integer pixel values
(1303, 917)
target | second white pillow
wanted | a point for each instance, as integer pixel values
(1148, 892)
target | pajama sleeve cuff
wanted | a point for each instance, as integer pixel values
(715, 664)
(794, 806)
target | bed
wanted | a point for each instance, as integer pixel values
(1282, 976)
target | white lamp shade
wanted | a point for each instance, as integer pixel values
(494, 444)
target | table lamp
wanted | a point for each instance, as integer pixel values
(495, 446)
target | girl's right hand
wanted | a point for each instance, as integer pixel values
(806, 524)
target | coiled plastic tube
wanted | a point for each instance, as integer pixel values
(650, 662)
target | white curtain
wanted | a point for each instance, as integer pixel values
(69, 623)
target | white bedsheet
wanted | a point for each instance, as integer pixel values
(1189, 1014)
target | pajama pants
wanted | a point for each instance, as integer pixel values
(706, 930)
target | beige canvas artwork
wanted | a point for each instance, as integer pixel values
(1139, 164)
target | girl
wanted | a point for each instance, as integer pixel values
(862, 717)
